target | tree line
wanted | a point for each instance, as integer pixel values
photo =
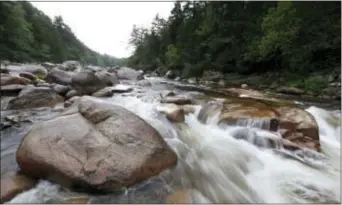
(242, 37)
(27, 35)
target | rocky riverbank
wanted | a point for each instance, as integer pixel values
(96, 132)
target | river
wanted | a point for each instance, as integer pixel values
(213, 166)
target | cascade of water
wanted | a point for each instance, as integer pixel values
(223, 169)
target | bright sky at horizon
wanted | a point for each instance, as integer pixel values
(105, 27)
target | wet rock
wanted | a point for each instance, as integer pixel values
(173, 112)
(58, 76)
(178, 100)
(73, 66)
(170, 74)
(179, 197)
(144, 83)
(29, 76)
(13, 185)
(167, 93)
(299, 127)
(105, 92)
(209, 110)
(121, 88)
(13, 80)
(247, 113)
(109, 79)
(290, 91)
(72, 93)
(105, 147)
(129, 74)
(177, 79)
(33, 97)
(48, 65)
(61, 89)
(87, 82)
(11, 90)
(71, 101)
(93, 68)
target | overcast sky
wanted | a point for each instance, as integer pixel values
(106, 26)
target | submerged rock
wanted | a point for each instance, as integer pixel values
(100, 146)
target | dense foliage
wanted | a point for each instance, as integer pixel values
(242, 37)
(27, 34)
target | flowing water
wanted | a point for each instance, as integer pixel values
(219, 168)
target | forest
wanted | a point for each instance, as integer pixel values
(28, 35)
(244, 37)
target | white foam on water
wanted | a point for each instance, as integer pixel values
(225, 170)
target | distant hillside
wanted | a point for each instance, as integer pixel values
(27, 34)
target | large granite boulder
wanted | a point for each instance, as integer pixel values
(97, 146)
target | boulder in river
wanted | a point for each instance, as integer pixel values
(73, 66)
(34, 97)
(87, 82)
(299, 127)
(61, 89)
(294, 124)
(58, 76)
(100, 147)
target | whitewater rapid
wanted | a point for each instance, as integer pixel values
(218, 168)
